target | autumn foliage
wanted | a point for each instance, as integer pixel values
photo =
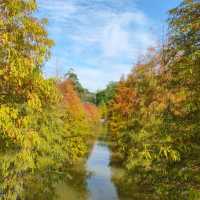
(153, 114)
(154, 119)
(85, 112)
(44, 130)
(92, 112)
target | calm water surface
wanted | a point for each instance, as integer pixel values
(99, 185)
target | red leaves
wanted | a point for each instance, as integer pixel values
(72, 101)
(91, 111)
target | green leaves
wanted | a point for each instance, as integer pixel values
(154, 117)
(39, 134)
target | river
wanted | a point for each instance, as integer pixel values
(99, 185)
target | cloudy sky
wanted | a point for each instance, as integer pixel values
(101, 39)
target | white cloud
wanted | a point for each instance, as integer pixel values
(115, 40)
(114, 33)
(96, 78)
(103, 37)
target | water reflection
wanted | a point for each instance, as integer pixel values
(59, 186)
(94, 180)
(74, 189)
(75, 186)
(99, 183)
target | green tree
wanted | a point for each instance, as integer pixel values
(71, 75)
(84, 94)
(37, 136)
(104, 96)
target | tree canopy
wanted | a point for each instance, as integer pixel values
(154, 118)
(39, 123)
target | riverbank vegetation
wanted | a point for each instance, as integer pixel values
(154, 118)
(44, 125)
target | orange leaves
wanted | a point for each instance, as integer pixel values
(125, 100)
(92, 112)
(73, 104)
(70, 98)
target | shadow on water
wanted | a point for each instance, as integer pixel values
(102, 181)
(96, 183)
(74, 189)
(94, 180)
(91, 180)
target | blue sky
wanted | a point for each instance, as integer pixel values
(101, 39)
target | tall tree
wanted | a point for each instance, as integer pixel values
(155, 117)
(37, 136)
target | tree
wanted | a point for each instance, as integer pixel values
(84, 94)
(71, 75)
(37, 137)
(155, 116)
(104, 96)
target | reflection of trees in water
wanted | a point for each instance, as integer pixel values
(17, 183)
(75, 186)
(127, 189)
(148, 186)
(37, 185)
(20, 182)
(43, 185)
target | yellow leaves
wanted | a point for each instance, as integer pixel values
(34, 129)
(169, 153)
(34, 102)
(7, 114)
(8, 111)
(178, 96)
(161, 106)
(146, 154)
(8, 118)
(31, 139)
(178, 100)
(1, 72)
(26, 159)
(19, 6)
(4, 38)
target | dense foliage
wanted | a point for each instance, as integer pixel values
(154, 118)
(153, 115)
(43, 129)
(104, 96)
